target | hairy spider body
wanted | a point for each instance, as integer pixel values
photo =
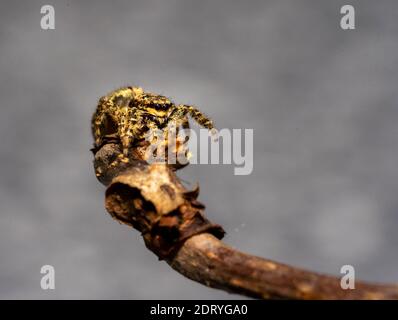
(128, 113)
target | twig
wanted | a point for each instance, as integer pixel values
(153, 200)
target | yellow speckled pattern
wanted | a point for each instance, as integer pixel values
(126, 114)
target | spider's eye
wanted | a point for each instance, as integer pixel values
(161, 106)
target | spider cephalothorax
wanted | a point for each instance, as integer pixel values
(127, 114)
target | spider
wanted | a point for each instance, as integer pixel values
(128, 113)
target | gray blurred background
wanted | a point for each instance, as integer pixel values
(323, 104)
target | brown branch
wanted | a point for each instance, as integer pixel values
(207, 260)
(151, 199)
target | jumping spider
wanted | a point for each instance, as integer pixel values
(127, 114)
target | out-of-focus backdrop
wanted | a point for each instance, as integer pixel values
(323, 104)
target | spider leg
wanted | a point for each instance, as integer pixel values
(127, 128)
(186, 127)
(197, 115)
